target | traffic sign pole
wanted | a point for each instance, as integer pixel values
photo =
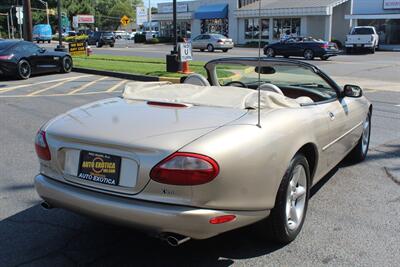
(27, 20)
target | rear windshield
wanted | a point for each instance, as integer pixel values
(363, 31)
(107, 34)
(219, 36)
(5, 45)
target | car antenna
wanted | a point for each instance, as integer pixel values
(259, 64)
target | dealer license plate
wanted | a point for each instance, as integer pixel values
(100, 168)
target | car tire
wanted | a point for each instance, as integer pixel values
(348, 50)
(38, 41)
(372, 51)
(288, 216)
(98, 45)
(308, 54)
(201, 50)
(24, 69)
(66, 64)
(224, 50)
(324, 58)
(111, 45)
(270, 52)
(210, 48)
(360, 151)
(49, 41)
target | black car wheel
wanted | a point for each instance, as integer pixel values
(66, 64)
(24, 69)
(224, 50)
(112, 45)
(210, 48)
(308, 54)
(201, 50)
(98, 44)
(324, 58)
(270, 52)
(49, 41)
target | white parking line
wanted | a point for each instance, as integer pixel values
(113, 88)
(77, 94)
(398, 105)
(55, 85)
(7, 89)
(83, 87)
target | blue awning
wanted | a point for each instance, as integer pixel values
(219, 11)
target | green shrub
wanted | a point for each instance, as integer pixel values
(152, 41)
(76, 38)
(338, 43)
(140, 38)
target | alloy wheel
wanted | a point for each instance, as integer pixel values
(296, 198)
(365, 136)
(270, 52)
(308, 54)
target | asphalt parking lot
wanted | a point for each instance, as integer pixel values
(352, 219)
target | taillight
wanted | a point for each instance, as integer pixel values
(41, 146)
(220, 41)
(6, 57)
(185, 169)
(325, 46)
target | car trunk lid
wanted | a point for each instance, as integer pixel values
(138, 133)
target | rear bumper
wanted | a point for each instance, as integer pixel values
(328, 53)
(150, 216)
(360, 45)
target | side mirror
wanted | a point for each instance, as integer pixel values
(352, 91)
(42, 50)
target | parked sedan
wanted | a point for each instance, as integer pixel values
(22, 59)
(303, 47)
(212, 42)
(101, 38)
(194, 160)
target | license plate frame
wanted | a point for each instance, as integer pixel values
(99, 168)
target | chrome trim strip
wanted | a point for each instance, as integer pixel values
(341, 137)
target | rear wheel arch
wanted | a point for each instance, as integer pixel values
(310, 151)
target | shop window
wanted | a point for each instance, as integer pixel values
(220, 26)
(286, 26)
(252, 29)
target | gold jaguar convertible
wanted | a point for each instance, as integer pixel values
(206, 156)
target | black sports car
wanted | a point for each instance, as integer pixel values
(21, 59)
(306, 47)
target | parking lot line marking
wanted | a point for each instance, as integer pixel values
(7, 89)
(83, 87)
(113, 88)
(54, 86)
(77, 94)
(398, 105)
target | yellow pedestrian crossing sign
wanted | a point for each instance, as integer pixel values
(125, 20)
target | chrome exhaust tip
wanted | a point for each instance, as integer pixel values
(174, 240)
(45, 205)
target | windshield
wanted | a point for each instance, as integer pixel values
(363, 31)
(293, 80)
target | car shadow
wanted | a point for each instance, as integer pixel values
(13, 78)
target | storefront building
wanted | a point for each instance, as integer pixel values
(384, 15)
(240, 20)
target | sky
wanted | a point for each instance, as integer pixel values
(155, 2)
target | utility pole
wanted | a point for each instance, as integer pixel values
(174, 22)
(151, 26)
(27, 20)
(47, 10)
(12, 23)
(8, 25)
(60, 46)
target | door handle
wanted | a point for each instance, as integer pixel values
(331, 115)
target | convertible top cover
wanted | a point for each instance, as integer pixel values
(216, 96)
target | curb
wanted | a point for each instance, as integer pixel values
(122, 75)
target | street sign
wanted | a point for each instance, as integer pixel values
(19, 12)
(77, 48)
(85, 19)
(125, 20)
(141, 15)
(185, 52)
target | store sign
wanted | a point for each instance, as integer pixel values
(77, 48)
(86, 19)
(185, 52)
(168, 8)
(391, 4)
(141, 15)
